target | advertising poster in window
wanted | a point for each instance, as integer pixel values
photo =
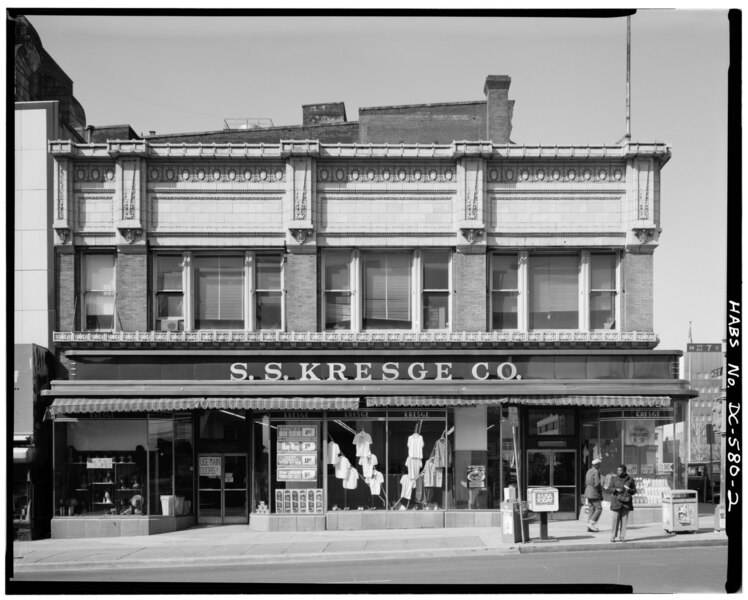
(640, 432)
(296, 453)
(476, 476)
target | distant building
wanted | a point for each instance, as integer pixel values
(703, 366)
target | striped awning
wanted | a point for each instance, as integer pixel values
(92, 405)
(433, 401)
(539, 400)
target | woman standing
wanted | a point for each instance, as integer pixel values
(622, 489)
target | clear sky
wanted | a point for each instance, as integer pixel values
(179, 74)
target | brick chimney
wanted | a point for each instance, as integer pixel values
(323, 114)
(498, 108)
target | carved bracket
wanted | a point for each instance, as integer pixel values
(301, 234)
(130, 233)
(644, 234)
(471, 234)
(63, 233)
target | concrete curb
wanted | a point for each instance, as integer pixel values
(630, 545)
(519, 548)
(156, 563)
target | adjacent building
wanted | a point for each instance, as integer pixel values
(44, 109)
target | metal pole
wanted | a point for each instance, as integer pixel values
(519, 483)
(628, 77)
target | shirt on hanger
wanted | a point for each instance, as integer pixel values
(368, 463)
(440, 453)
(342, 468)
(362, 441)
(430, 473)
(351, 480)
(375, 482)
(406, 485)
(415, 446)
(333, 453)
(414, 467)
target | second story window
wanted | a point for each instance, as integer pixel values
(553, 287)
(169, 293)
(219, 287)
(435, 285)
(98, 292)
(603, 291)
(504, 286)
(386, 290)
(531, 291)
(218, 290)
(370, 290)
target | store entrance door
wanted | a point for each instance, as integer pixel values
(222, 488)
(555, 468)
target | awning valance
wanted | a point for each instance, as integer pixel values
(543, 400)
(92, 405)
(433, 401)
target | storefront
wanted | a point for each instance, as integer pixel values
(288, 440)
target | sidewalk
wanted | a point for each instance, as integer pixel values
(236, 544)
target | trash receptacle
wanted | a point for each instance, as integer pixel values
(680, 510)
(511, 521)
(167, 506)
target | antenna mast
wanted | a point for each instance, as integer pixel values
(628, 77)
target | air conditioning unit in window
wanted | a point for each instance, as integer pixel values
(170, 324)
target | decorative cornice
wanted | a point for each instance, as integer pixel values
(332, 338)
(457, 149)
(63, 233)
(208, 233)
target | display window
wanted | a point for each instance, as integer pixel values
(651, 443)
(123, 467)
(417, 461)
(296, 464)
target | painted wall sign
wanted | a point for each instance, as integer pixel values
(371, 371)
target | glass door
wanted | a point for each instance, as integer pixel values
(555, 468)
(222, 488)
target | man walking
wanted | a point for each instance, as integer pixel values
(593, 491)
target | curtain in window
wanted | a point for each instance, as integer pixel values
(386, 290)
(220, 283)
(554, 292)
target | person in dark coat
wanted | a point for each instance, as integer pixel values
(593, 491)
(622, 490)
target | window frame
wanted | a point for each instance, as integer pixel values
(356, 291)
(584, 288)
(249, 288)
(85, 257)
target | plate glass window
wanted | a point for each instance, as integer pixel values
(337, 290)
(504, 291)
(602, 291)
(98, 292)
(268, 291)
(387, 290)
(218, 291)
(554, 291)
(169, 294)
(435, 289)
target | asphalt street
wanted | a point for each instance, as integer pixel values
(661, 570)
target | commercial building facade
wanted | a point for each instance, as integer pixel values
(383, 323)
